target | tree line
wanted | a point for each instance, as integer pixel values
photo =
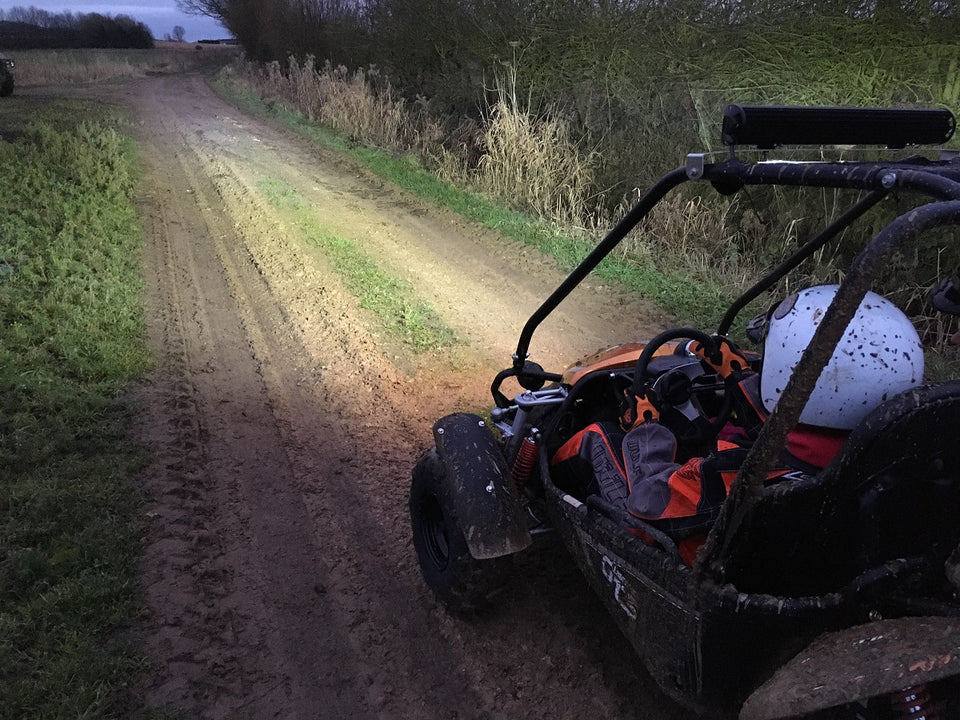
(633, 78)
(439, 49)
(386, 31)
(23, 28)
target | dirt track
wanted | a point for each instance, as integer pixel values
(280, 574)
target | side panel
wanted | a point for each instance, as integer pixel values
(648, 599)
(705, 658)
(489, 512)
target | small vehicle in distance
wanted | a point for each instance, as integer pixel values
(6, 75)
(836, 596)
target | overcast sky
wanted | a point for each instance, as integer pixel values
(158, 15)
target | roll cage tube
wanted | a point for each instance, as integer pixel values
(937, 181)
(639, 211)
(769, 127)
(747, 489)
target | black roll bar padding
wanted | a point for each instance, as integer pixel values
(840, 175)
(946, 298)
(639, 211)
(747, 488)
(499, 399)
(853, 213)
(928, 183)
(767, 127)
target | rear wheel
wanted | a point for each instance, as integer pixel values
(463, 584)
(6, 84)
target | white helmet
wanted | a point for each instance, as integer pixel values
(878, 356)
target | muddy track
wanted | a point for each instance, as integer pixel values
(280, 575)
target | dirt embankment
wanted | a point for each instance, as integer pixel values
(280, 574)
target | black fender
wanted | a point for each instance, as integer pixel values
(857, 664)
(486, 503)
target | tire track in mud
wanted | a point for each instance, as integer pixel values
(323, 464)
(241, 464)
(462, 270)
(281, 575)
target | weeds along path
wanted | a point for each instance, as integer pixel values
(280, 574)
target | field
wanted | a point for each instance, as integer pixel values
(85, 67)
(72, 340)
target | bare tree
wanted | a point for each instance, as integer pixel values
(179, 34)
(217, 9)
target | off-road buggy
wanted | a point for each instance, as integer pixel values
(837, 595)
(6, 75)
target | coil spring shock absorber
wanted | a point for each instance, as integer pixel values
(914, 703)
(525, 461)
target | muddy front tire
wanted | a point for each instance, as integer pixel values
(463, 584)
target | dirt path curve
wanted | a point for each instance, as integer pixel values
(280, 573)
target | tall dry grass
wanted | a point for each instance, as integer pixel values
(689, 235)
(529, 161)
(532, 158)
(361, 104)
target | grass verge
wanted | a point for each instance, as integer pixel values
(72, 340)
(699, 303)
(392, 300)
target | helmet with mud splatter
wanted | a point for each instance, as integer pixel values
(878, 356)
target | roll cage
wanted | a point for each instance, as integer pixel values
(764, 128)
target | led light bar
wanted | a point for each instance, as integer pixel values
(769, 126)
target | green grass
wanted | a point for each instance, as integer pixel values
(699, 303)
(72, 340)
(391, 299)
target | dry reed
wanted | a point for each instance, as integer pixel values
(530, 160)
(361, 104)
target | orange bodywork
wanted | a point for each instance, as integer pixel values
(612, 358)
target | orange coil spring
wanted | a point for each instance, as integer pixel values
(914, 704)
(524, 463)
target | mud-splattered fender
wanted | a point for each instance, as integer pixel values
(859, 663)
(478, 480)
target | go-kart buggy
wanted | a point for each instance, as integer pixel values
(832, 595)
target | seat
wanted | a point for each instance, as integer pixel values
(892, 492)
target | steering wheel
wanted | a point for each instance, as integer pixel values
(677, 386)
